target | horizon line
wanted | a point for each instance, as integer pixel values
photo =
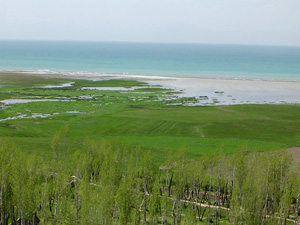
(153, 42)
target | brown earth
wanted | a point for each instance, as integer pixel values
(295, 152)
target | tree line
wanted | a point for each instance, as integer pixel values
(110, 182)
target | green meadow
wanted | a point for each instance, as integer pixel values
(152, 118)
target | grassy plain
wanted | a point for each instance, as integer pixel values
(150, 117)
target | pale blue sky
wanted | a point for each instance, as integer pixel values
(273, 22)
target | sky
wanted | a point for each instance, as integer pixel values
(257, 22)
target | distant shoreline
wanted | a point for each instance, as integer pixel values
(100, 75)
(223, 91)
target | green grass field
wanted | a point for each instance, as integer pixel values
(141, 117)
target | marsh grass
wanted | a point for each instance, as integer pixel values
(141, 117)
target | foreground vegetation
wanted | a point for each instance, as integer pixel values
(86, 153)
(109, 182)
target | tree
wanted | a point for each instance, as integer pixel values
(8, 159)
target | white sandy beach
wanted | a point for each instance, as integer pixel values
(225, 91)
(236, 91)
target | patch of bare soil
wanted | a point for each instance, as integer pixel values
(295, 152)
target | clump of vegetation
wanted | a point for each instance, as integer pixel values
(109, 83)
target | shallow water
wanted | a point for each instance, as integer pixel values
(113, 88)
(18, 101)
(59, 86)
(24, 116)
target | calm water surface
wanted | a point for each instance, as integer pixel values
(183, 60)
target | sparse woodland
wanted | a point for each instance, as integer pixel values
(110, 182)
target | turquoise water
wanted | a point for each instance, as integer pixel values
(183, 60)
